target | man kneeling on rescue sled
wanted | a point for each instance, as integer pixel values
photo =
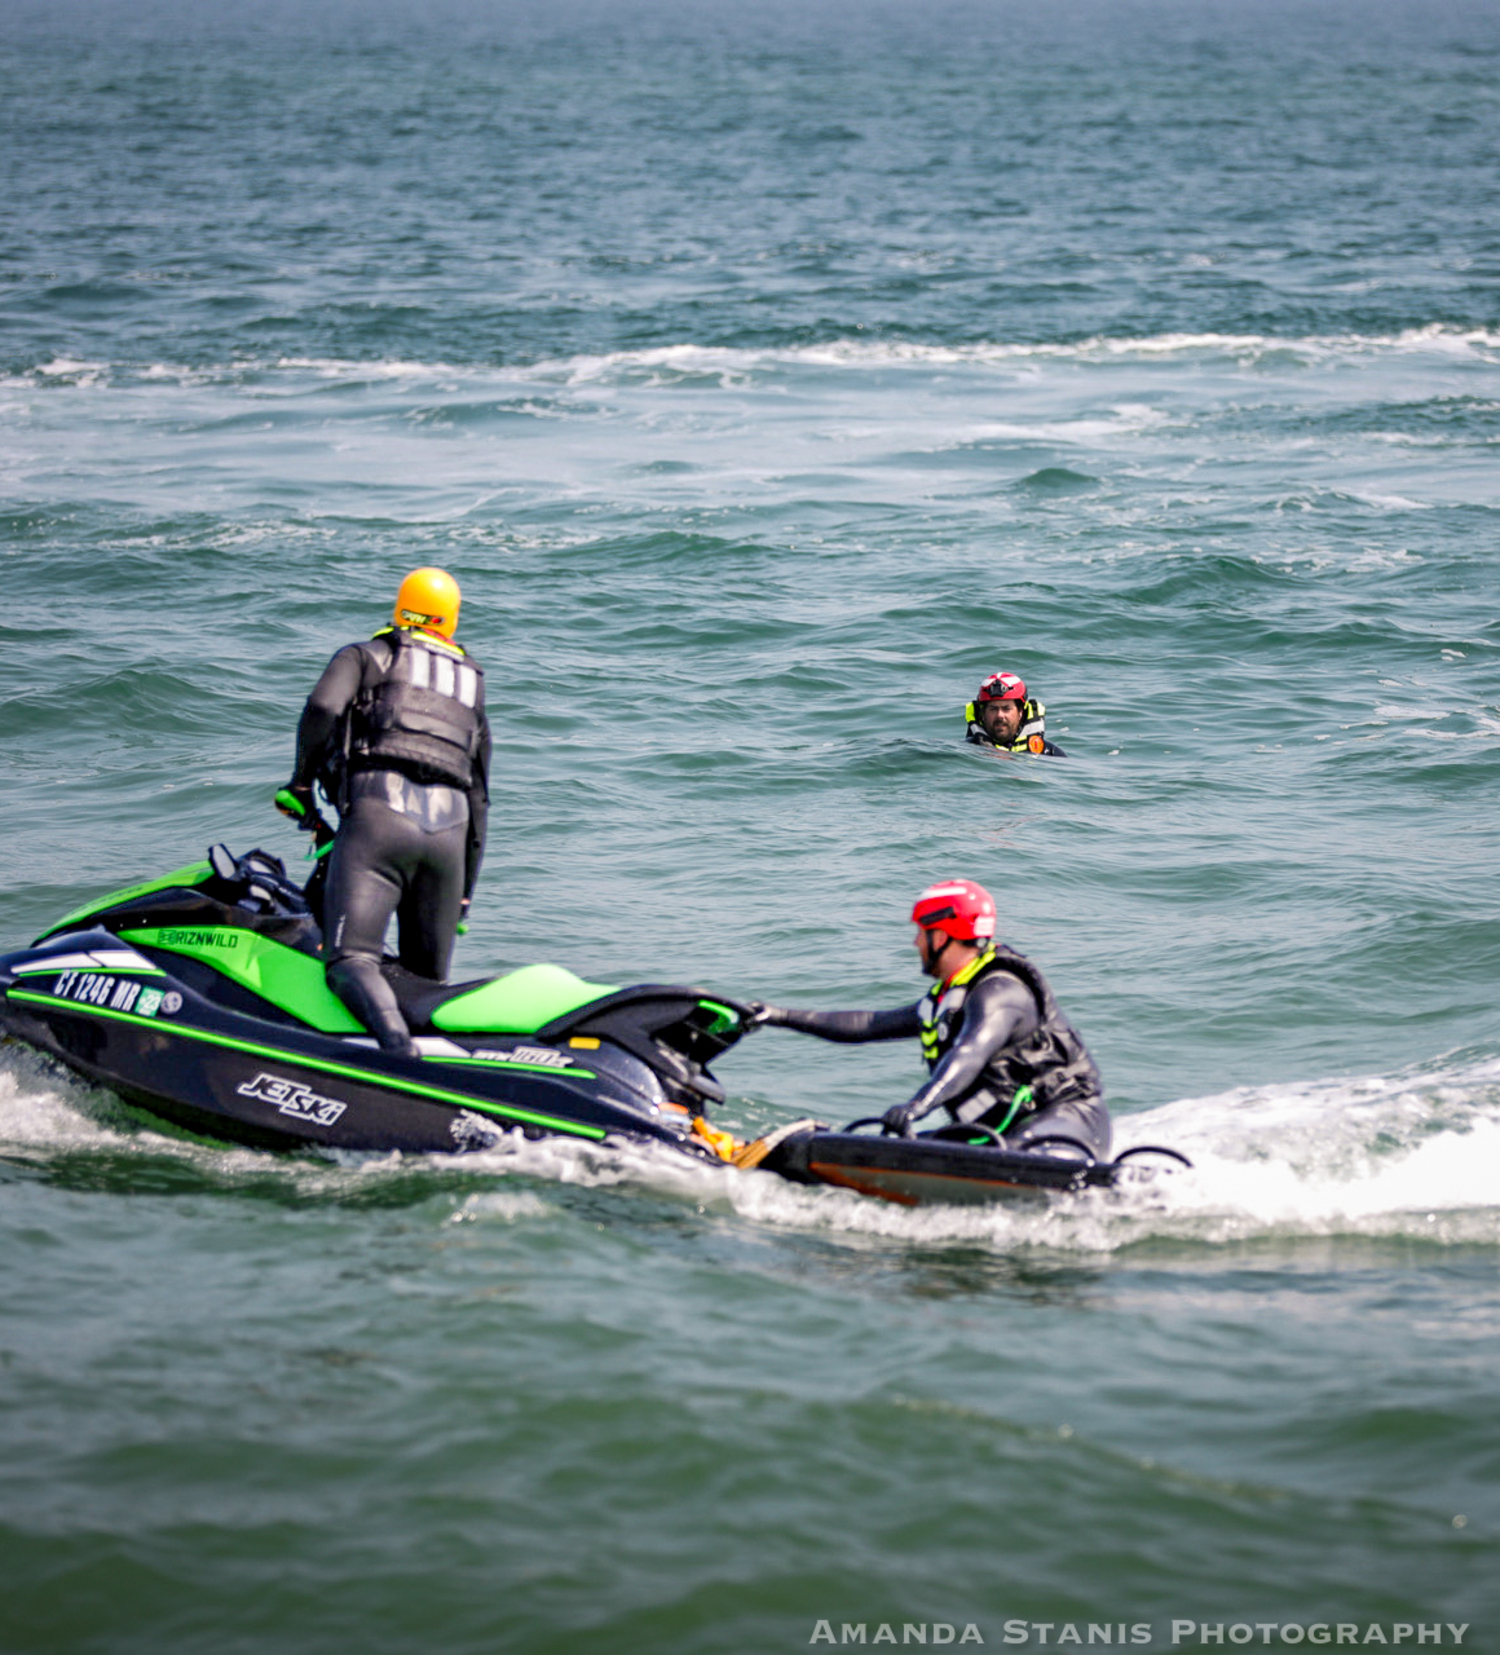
(999, 1051)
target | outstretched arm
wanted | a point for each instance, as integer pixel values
(851, 1027)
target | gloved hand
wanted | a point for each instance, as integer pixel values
(463, 916)
(297, 802)
(764, 1015)
(897, 1120)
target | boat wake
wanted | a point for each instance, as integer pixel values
(1414, 1157)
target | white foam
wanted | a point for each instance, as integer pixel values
(845, 353)
(1414, 1156)
(734, 366)
(64, 367)
(332, 367)
(1391, 502)
(61, 370)
(40, 1110)
(504, 1206)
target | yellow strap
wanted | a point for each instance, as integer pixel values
(721, 1143)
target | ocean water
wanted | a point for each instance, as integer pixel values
(769, 376)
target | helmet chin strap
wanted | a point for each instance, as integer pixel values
(930, 952)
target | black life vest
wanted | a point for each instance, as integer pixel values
(419, 710)
(1049, 1065)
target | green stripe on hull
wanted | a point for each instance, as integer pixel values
(461, 1100)
(500, 1066)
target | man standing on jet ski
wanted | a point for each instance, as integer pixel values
(395, 731)
(999, 1051)
(1001, 715)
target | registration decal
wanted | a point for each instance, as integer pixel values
(105, 988)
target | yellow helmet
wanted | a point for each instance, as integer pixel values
(430, 598)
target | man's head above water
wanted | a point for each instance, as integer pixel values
(1000, 707)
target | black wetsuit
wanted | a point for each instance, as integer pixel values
(395, 730)
(999, 1050)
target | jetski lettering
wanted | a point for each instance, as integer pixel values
(293, 1099)
(543, 1055)
(176, 937)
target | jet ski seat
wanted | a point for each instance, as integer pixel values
(520, 1002)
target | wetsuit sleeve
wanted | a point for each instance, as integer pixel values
(997, 1010)
(332, 696)
(853, 1026)
(479, 812)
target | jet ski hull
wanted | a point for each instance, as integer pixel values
(200, 996)
(148, 1035)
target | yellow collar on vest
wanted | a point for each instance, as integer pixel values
(433, 640)
(966, 973)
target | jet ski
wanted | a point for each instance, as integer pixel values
(961, 1164)
(200, 997)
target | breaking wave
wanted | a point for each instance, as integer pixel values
(729, 364)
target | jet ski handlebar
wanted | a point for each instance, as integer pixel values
(309, 819)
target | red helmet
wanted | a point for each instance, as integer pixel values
(964, 910)
(1001, 686)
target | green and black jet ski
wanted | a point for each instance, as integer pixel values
(200, 997)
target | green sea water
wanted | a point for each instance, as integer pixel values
(767, 379)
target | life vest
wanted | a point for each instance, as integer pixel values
(421, 710)
(1030, 737)
(1049, 1065)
